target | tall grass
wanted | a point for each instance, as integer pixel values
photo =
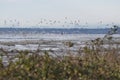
(93, 62)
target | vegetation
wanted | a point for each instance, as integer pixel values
(93, 62)
(69, 44)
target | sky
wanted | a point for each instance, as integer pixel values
(32, 11)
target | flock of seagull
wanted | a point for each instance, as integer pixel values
(65, 23)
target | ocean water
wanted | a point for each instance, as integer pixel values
(48, 39)
(19, 34)
(22, 37)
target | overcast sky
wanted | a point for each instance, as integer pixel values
(91, 11)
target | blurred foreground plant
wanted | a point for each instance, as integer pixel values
(95, 63)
